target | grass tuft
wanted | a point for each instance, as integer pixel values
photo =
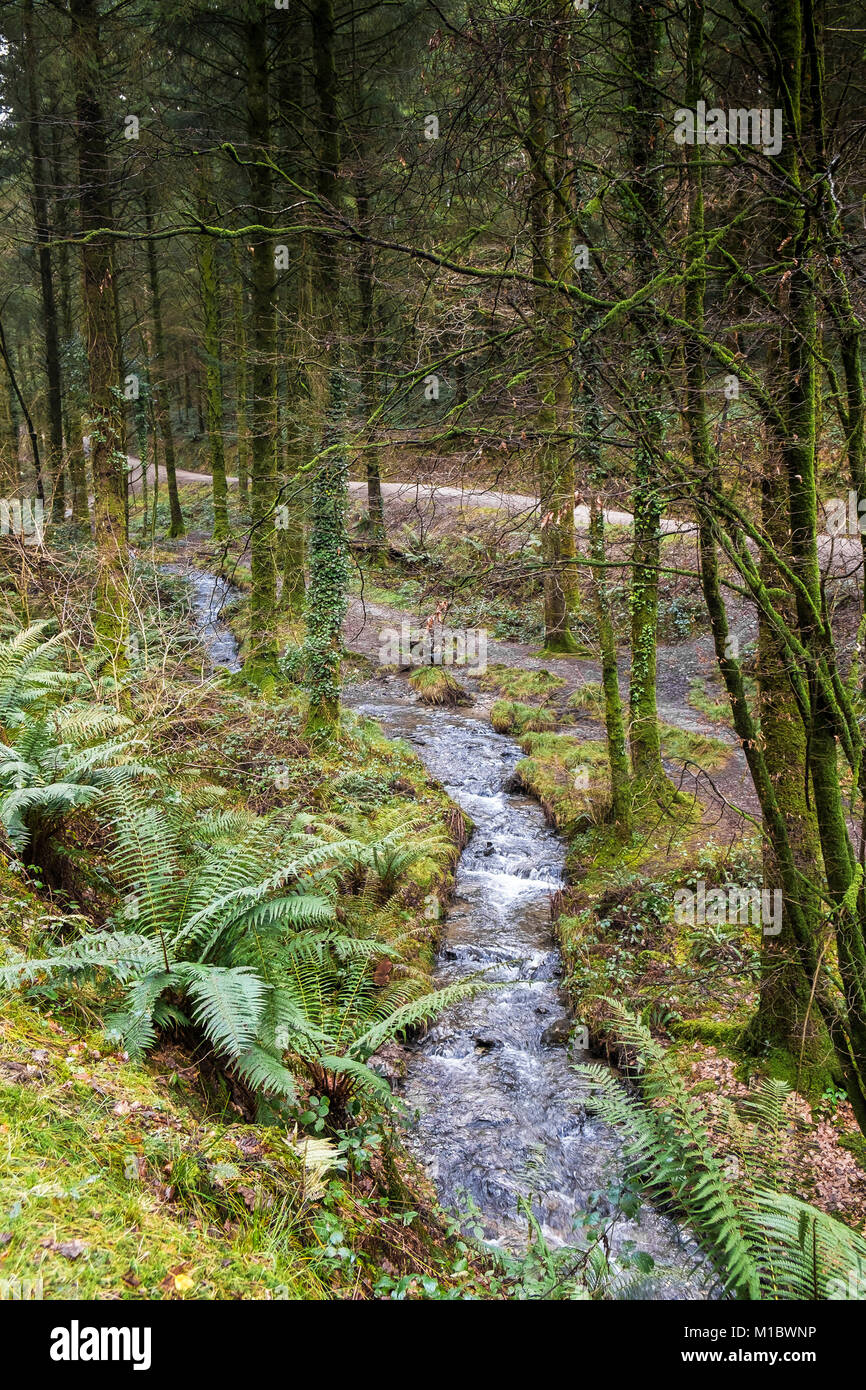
(512, 717)
(435, 686)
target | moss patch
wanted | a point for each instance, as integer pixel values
(681, 745)
(588, 698)
(515, 684)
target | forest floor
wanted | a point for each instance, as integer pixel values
(159, 1196)
(614, 925)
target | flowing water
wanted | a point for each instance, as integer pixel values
(208, 595)
(501, 1111)
(500, 1108)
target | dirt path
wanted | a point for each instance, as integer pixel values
(184, 475)
(428, 495)
(838, 555)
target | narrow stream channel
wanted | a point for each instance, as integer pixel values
(500, 1109)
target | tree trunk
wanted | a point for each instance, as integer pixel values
(645, 193)
(262, 652)
(560, 533)
(100, 335)
(161, 404)
(50, 324)
(240, 375)
(72, 428)
(10, 470)
(369, 392)
(553, 371)
(326, 597)
(209, 285)
(617, 743)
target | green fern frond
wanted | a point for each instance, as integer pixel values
(364, 1077)
(409, 1015)
(765, 1244)
(227, 1002)
(264, 1072)
(803, 1253)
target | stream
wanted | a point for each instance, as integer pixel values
(208, 595)
(500, 1112)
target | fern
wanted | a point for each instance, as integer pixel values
(263, 1072)
(382, 851)
(338, 1017)
(228, 1003)
(61, 760)
(234, 929)
(764, 1244)
(27, 677)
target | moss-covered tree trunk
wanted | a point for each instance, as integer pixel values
(367, 354)
(301, 426)
(262, 341)
(644, 192)
(589, 425)
(798, 448)
(212, 348)
(550, 232)
(50, 318)
(326, 597)
(561, 502)
(73, 432)
(10, 472)
(304, 426)
(161, 402)
(785, 1018)
(808, 659)
(240, 356)
(614, 720)
(111, 620)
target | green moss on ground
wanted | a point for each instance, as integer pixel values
(512, 717)
(589, 699)
(683, 745)
(119, 1181)
(516, 684)
(718, 710)
(569, 777)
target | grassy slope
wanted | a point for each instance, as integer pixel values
(126, 1180)
(166, 1194)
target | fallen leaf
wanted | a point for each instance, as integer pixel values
(70, 1249)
